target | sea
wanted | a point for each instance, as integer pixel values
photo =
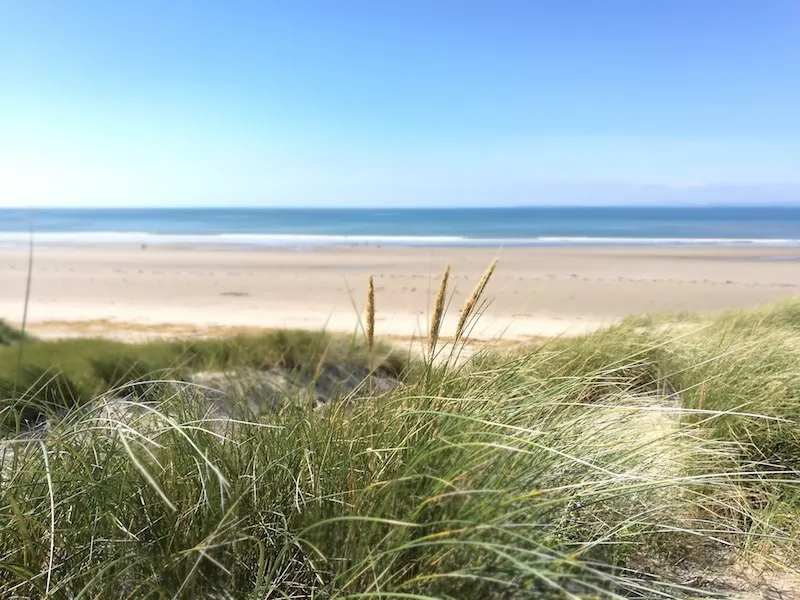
(495, 227)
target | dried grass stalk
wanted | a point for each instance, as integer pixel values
(371, 314)
(471, 303)
(438, 311)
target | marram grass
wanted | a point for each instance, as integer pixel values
(370, 314)
(470, 306)
(486, 481)
(576, 469)
(58, 374)
(10, 335)
(438, 312)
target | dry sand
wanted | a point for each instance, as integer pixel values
(129, 292)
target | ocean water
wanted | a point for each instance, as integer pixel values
(530, 226)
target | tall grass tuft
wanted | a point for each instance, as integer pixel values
(472, 302)
(438, 312)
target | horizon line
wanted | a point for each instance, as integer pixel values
(788, 204)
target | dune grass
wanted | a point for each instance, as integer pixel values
(38, 376)
(583, 468)
(745, 364)
(735, 376)
(480, 482)
(10, 335)
(739, 362)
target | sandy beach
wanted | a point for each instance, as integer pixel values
(128, 292)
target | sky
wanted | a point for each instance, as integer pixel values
(405, 103)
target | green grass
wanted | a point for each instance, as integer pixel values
(475, 484)
(302, 350)
(736, 376)
(33, 373)
(10, 335)
(740, 362)
(576, 469)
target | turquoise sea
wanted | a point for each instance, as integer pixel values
(529, 226)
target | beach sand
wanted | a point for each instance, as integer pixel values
(133, 293)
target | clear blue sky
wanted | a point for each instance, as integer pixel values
(412, 102)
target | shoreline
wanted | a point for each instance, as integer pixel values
(239, 242)
(131, 293)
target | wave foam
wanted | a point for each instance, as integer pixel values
(301, 240)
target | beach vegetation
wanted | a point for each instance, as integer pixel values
(641, 461)
(10, 334)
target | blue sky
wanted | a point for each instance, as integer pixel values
(419, 102)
